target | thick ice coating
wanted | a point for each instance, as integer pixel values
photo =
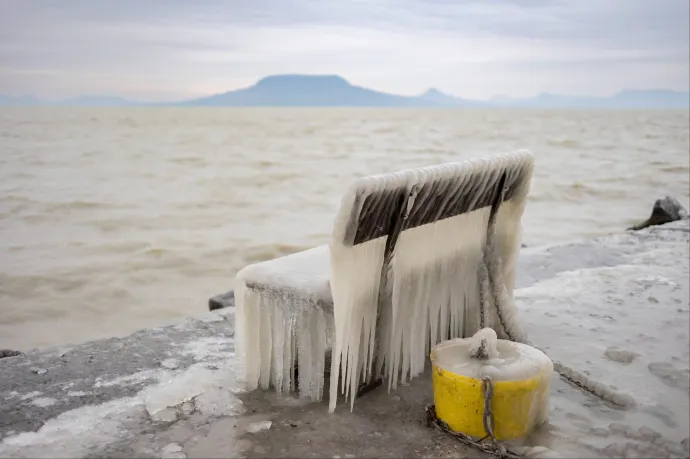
(284, 315)
(511, 362)
(432, 289)
(483, 344)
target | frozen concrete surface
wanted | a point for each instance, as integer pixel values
(614, 307)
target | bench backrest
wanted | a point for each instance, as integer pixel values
(445, 191)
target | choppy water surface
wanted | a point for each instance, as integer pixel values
(116, 219)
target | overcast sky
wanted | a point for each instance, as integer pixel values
(162, 50)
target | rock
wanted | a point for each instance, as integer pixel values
(661, 413)
(647, 433)
(165, 415)
(617, 354)
(618, 428)
(224, 300)
(174, 455)
(8, 353)
(187, 407)
(614, 450)
(665, 210)
(172, 448)
(599, 431)
(539, 452)
(255, 427)
(170, 364)
(671, 375)
(213, 316)
(219, 402)
(674, 449)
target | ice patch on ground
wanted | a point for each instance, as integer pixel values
(171, 448)
(602, 322)
(175, 389)
(209, 348)
(172, 451)
(76, 432)
(170, 364)
(135, 378)
(87, 429)
(218, 402)
(258, 426)
(616, 354)
(43, 402)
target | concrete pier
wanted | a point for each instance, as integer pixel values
(615, 307)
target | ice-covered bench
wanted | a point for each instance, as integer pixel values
(405, 269)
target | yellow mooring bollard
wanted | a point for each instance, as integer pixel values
(521, 378)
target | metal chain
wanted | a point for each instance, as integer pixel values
(488, 418)
(493, 447)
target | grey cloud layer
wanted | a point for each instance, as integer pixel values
(130, 46)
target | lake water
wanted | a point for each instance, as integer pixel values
(116, 219)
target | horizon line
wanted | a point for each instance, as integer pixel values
(190, 97)
(494, 101)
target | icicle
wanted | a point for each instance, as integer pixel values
(355, 278)
(433, 290)
(284, 318)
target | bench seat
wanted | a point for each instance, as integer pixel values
(281, 304)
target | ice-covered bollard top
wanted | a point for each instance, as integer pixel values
(485, 355)
(483, 344)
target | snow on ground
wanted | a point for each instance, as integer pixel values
(626, 326)
(80, 431)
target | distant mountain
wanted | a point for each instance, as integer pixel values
(652, 99)
(81, 101)
(621, 100)
(435, 97)
(501, 99)
(547, 100)
(335, 91)
(304, 91)
(18, 101)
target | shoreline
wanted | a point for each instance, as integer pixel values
(173, 391)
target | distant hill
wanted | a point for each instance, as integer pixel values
(435, 97)
(620, 100)
(652, 99)
(81, 101)
(305, 91)
(18, 101)
(335, 91)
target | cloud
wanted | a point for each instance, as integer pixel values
(475, 48)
